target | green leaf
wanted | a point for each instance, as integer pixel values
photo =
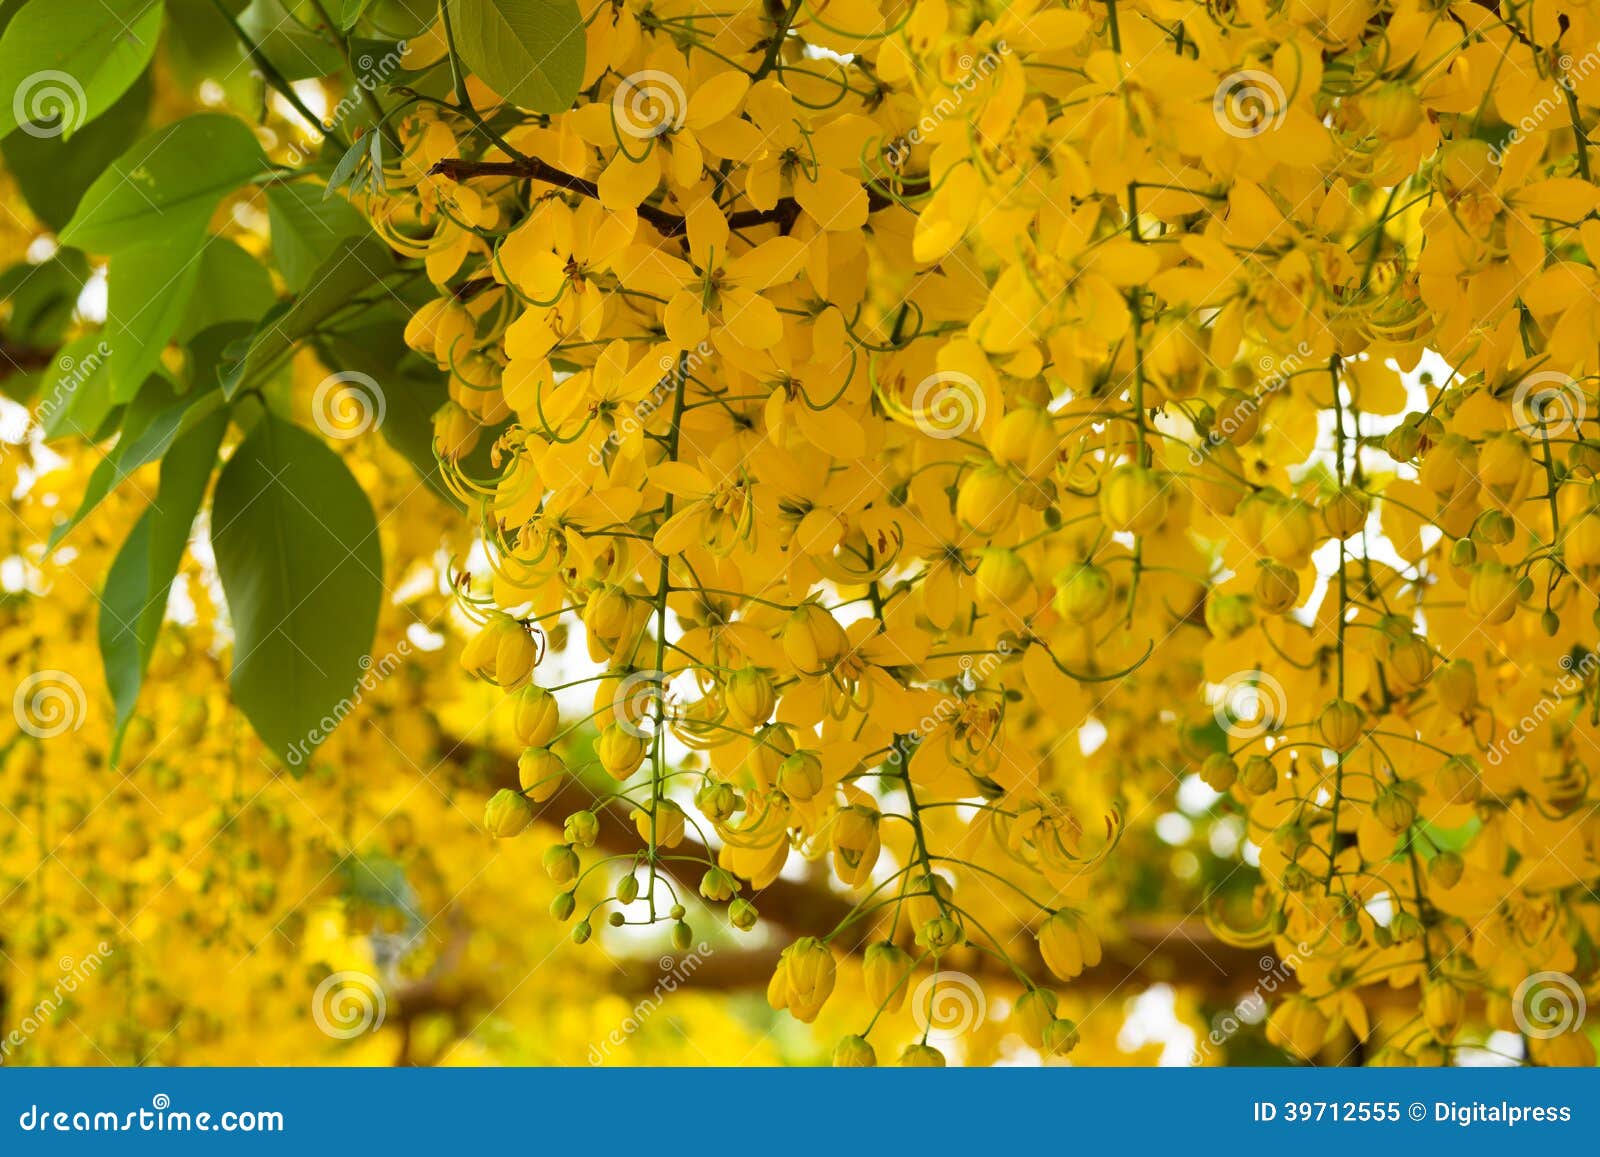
(297, 51)
(123, 653)
(531, 52)
(232, 286)
(167, 185)
(344, 173)
(133, 605)
(402, 19)
(355, 266)
(149, 211)
(412, 392)
(53, 173)
(156, 417)
(297, 548)
(211, 352)
(42, 297)
(77, 399)
(375, 61)
(305, 228)
(148, 291)
(349, 13)
(74, 58)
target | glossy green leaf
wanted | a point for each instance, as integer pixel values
(531, 52)
(166, 185)
(297, 548)
(67, 61)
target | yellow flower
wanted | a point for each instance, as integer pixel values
(1068, 944)
(803, 980)
(1298, 1026)
(856, 844)
(507, 814)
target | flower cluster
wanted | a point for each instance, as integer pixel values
(1207, 397)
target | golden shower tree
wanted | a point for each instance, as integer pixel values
(968, 494)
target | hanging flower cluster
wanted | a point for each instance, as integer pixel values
(949, 426)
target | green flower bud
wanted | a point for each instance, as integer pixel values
(1060, 1037)
(507, 814)
(718, 884)
(853, 1052)
(582, 828)
(561, 863)
(742, 914)
(628, 889)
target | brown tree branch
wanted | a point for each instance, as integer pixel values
(783, 214)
